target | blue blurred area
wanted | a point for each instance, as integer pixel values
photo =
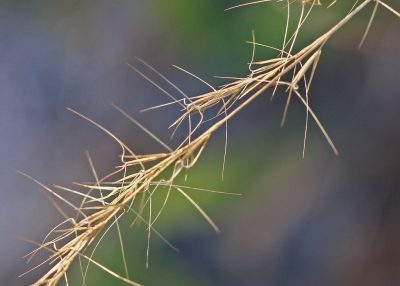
(322, 220)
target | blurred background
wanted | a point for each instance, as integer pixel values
(322, 220)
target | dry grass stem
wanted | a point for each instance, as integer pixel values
(111, 197)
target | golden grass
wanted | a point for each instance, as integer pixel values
(109, 198)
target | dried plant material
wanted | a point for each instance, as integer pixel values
(309, 2)
(109, 198)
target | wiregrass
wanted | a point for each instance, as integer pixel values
(108, 199)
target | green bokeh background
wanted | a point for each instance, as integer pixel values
(262, 159)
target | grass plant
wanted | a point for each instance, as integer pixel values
(139, 176)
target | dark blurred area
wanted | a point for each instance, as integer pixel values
(322, 220)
